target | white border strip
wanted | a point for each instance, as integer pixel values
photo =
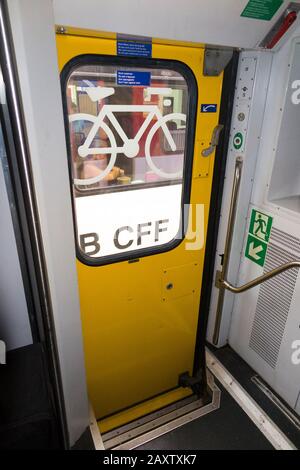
(269, 429)
(96, 436)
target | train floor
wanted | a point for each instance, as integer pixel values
(28, 420)
(229, 427)
(226, 428)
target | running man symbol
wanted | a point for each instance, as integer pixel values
(260, 225)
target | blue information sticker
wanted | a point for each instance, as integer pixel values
(132, 78)
(208, 108)
(134, 49)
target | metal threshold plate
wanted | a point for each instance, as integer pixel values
(156, 424)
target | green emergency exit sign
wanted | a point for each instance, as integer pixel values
(261, 9)
(258, 237)
(256, 250)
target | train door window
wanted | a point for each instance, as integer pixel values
(129, 127)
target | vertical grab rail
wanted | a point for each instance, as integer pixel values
(228, 243)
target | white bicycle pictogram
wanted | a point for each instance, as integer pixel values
(130, 147)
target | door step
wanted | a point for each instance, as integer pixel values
(156, 424)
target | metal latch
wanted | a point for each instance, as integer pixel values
(214, 141)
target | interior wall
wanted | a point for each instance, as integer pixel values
(15, 328)
(251, 128)
(204, 21)
(270, 115)
(262, 324)
(34, 42)
(285, 376)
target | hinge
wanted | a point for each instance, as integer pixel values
(215, 60)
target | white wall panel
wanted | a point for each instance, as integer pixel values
(250, 128)
(208, 21)
(34, 41)
(265, 320)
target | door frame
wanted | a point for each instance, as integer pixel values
(225, 117)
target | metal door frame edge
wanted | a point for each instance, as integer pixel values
(267, 427)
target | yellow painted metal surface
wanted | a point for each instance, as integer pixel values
(149, 406)
(92, 33)
(139, 337)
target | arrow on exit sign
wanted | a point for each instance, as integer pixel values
(256, 250)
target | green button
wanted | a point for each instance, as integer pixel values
(238, 140)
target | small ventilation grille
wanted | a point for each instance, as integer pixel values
(286, 240)
(274, 299)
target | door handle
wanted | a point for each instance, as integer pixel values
(214, 141)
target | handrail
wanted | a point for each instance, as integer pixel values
(221, 276)
(223, 284)
(228, 242)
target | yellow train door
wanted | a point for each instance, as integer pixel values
(136, 128)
